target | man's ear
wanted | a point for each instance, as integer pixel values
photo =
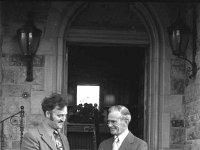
(126, 121)
(47, 114)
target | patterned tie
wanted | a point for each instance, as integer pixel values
(115, 143)
(58, 140)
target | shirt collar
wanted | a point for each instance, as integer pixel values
(122, 136)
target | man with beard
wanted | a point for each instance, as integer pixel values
(118, 121)
(47, 135)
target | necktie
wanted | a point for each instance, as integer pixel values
(115, 143)
(58, 140)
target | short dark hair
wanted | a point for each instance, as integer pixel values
(49, 103)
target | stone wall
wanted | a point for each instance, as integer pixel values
(15, 91)
(192, 102)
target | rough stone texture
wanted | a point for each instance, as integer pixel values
(34, 120)
(10, 45)
(192, 103)
(8, 76)
(38, 83)
(38, 61)
(177, 77)
(16, 60)
(16, 144)
(37, 97)
(14, 84)
(173, 104)
(13, 87)
(101, 15)
(11, 132)
(198, 34)
(5, 60)
(15, 90)
(192, 93)
(20, 75)
(13, 69)
(11, 107)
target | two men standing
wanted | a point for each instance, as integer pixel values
(47, 135)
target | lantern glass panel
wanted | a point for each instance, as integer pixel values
(34, 40)
(22, 41)
(179, 38)
(29, 38)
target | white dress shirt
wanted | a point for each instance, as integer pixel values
(122, 137)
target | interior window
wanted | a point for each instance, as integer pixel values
(88, 94)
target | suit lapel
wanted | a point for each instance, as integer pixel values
(46, 138)
(63, 141)
(126, 144)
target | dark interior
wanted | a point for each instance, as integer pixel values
(119, 70)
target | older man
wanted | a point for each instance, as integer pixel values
(47, 135)
(118, 121)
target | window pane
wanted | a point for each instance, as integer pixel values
(87, 94)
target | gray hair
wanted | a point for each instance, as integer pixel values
(126, 115)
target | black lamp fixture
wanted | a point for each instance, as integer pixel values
(179, 35)
(29, 37)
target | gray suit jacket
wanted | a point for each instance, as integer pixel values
(131, 142)
(38, 139)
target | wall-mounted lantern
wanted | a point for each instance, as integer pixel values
(179, 35)
(29, 37)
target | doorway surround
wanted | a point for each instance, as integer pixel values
(154, 71)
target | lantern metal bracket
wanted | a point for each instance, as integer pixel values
(192, 69)
(29, 38)
(179, 36)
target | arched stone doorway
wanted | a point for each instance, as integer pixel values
(154, 73)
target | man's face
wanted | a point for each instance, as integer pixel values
(57, 117)
(115, 123)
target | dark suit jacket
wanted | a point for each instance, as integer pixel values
(131, 142)
(38, 139)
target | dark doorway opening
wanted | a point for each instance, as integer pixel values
(118, 69)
